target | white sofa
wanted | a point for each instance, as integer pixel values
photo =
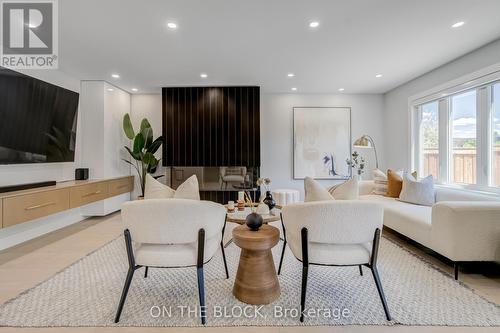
(462, 226)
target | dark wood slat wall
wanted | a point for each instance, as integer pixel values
(211, 126)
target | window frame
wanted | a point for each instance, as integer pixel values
(481, 81)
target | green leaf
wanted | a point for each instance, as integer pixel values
(153, 147)
(127, 127)
(144, 124)
(149, 159)
(138, 143)
(147, 133)
(135, 156)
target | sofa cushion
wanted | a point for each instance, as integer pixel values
(380, 182)
(413, 221)
(445, 194)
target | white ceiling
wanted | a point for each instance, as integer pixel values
(257, 42)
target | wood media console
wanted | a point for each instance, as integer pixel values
(25, 205)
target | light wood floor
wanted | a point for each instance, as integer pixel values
(30, 263)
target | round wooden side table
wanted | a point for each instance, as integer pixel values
(256, 280)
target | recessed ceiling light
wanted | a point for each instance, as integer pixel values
(341, 89)
(134, 89)
(203, 75)
(172, 25)
(378, 75)
(458, 24)
(290, 75)
(115, 76)
(294, 89)
(313, 24)
(110, 89)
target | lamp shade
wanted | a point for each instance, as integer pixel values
(363, 142)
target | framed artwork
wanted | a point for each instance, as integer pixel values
(321, 142)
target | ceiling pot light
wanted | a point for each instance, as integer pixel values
(294, 89)
(290, 75)
(172, 25)
(313, 24)
(110, 89)
(135, 89)
(378, 75)
(458, 24)
(341, 89)
(115, 76)
(203, 75)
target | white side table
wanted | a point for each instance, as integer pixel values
(285, 196)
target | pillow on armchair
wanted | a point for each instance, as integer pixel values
(187, 190)
(314, 191)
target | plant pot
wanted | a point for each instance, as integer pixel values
(254, 221)
(269, 200)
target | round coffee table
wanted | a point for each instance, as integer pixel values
(256, 280)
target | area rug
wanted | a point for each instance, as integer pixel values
(87, 293)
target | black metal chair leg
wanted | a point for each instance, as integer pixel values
(380, 291)
(360, 270)
(126, 287)
(146, 272)
(201, 294)
(455, 266)
(282, 255)
(224, 258)
(199, 273)
(305, 270)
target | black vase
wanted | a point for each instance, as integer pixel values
(254, 221)
(269, 201)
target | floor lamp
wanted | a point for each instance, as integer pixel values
(366, 141)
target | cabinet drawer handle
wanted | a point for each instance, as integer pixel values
(92, 193)
(40, 206)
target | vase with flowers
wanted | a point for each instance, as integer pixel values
(268, 199)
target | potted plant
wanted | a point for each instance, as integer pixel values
(143, 149)
(357, 162)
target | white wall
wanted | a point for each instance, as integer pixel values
(103, 107)
(149, 106)
(276, 114)
(396, 115)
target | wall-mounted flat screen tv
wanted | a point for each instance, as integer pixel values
(37, 120)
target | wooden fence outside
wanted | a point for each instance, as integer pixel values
(464, 165)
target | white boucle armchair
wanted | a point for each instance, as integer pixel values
(334, 233)
(170, 233)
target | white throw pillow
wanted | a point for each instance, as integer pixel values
(418, 192)
(380, 181)
(156, 190)
(348, 190)
(314, 191)
(189, 189)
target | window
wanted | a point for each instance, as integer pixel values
(495, 140)
(456, 134)
(429, 140)
(464, 142)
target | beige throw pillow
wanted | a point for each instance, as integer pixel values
(380, 182)
(314, 191)
(156, 190)
(348, 190)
